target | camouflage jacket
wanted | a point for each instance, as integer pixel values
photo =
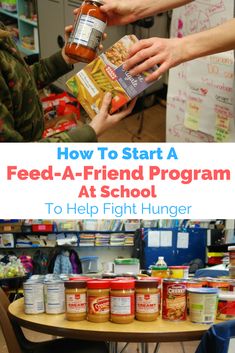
(21, 113)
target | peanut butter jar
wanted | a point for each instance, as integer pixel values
(147, 300)
(98, 300)
(122, 301)
(75, 300)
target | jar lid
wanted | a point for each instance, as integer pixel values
(75, 284)
(227, 295)
(98, 1)
(203, 290)
(179, 267)
(122, 284)
(231, 248)
(97, 284)
(146, 283)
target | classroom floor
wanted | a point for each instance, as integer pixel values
(189, 347)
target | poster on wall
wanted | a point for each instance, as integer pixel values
(200, 106)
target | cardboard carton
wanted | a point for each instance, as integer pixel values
(106, 74)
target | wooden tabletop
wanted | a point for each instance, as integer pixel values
(138, 331)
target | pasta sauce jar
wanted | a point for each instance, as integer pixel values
(75, 300)
(147, 300)
(122, 301)
(98, 300)
(87, 33)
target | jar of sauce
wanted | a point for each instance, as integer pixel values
(75, 300)
(147, 300)
(98, 300)
(122, 301)
(87, 33)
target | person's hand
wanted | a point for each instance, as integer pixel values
(119, 12)
(147, 53)
(104, 121)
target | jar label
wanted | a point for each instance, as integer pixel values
(76, 303)
(88, 31)
(122, 305)
(147, 303)
(98, 305)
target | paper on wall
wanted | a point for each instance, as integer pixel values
(200, 92)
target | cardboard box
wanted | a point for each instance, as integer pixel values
(106, 73)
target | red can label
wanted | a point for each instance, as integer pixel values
(174, 306)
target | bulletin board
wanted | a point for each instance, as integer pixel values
(200, 102)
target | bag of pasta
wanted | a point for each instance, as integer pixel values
(106, 74)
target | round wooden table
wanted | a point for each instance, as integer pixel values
(138, 331)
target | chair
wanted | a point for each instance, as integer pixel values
(18, 343)
(220, 338)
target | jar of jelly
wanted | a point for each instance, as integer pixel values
(87, 33)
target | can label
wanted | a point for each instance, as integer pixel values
(33, 298)
(174, 300)
(76, 303)
(54, 298)
(226, 309)
(98, 305)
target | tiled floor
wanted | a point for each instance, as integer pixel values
(189, 347)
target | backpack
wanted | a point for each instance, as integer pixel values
(40, 262)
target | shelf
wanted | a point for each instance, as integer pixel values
(27, 20)
(9, 13)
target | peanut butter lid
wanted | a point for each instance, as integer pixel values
(98, 284)
(75, 284)
(122, 284)
(149, 283)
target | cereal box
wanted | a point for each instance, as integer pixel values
(104, 74)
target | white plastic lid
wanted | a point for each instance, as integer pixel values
(227, 295)
(231, 248)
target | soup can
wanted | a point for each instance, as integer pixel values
(54, 297)
(33, 297)
(203, 304)
(226, 306)
(174, 300)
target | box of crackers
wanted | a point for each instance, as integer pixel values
(106, 74)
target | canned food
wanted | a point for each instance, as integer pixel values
(54, 297)
(203, 304)
(174, 303)
(219, 283)
(226, 306)
(231, 251)
(33, 297)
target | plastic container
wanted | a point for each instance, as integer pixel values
(98, 300)
(231, 251)
(147, 299)
(202, 304)
(226, 306)
(157, 271)
(178, 271)
(89, 264)
(122, 301)
(75, 300)
(126, 265)
(87, 32)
